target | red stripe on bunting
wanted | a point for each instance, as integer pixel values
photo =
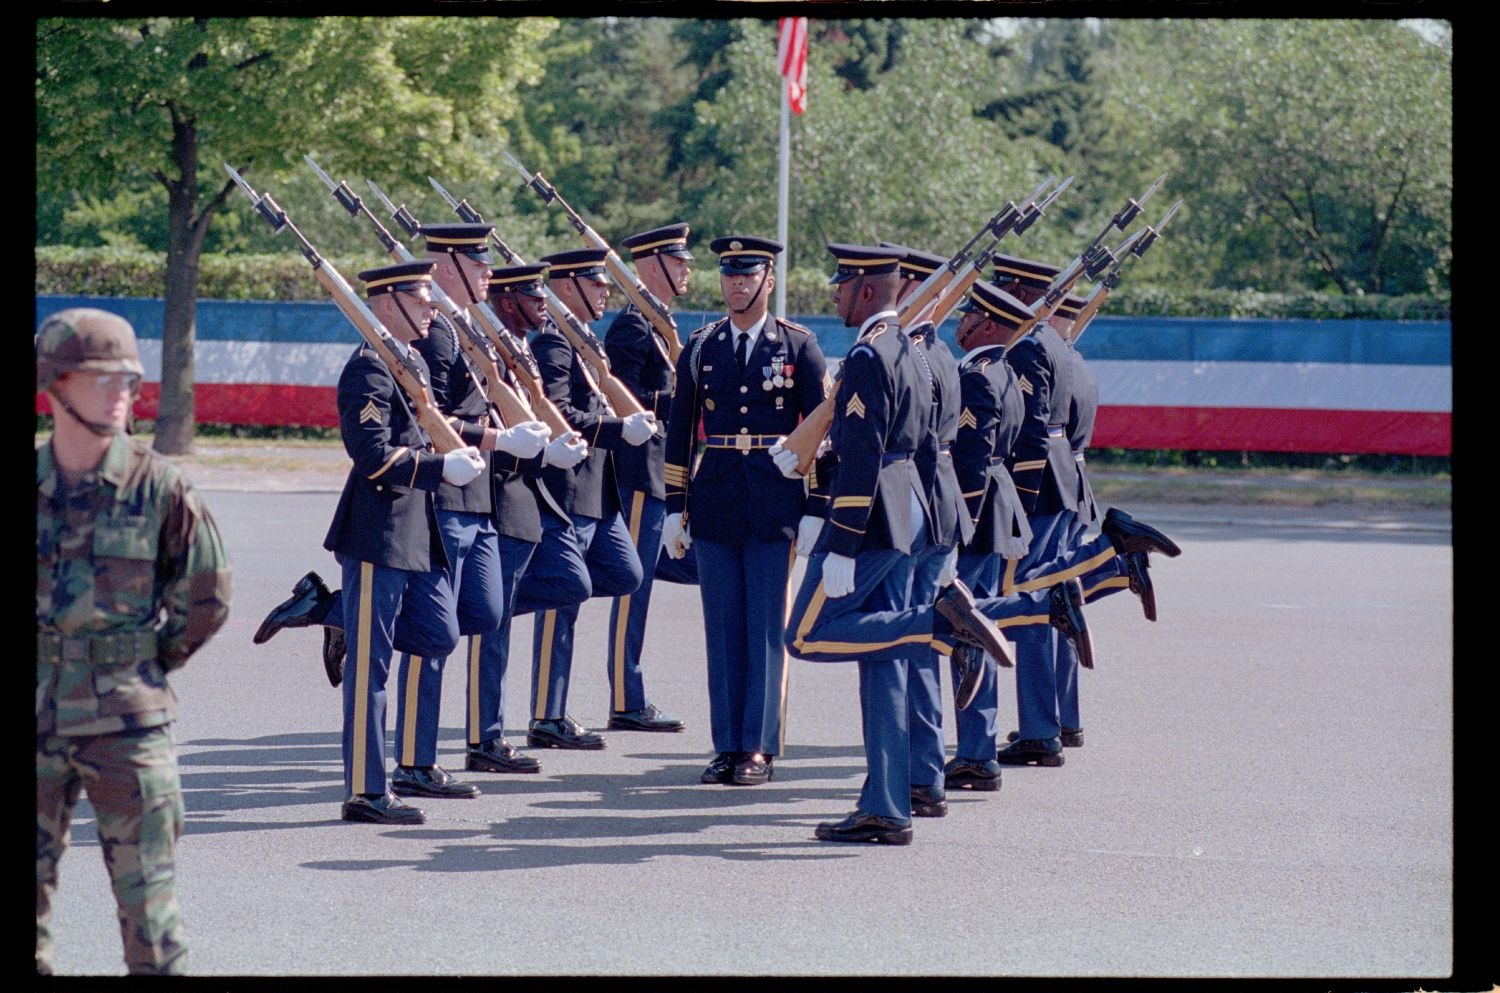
(1352, 432)
(245, 403)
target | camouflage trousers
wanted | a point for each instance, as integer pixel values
(131, 778)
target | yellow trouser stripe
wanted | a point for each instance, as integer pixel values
(413, 690)
(1029, 465)
(786, 668)
(622, 613)
(1023, 620)
(362, 678)
(475, 642)
(1008, 583)
(544, 665)
(1045, 580)
(815, 607)
(1118, 582)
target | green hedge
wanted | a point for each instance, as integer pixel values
(287, 276)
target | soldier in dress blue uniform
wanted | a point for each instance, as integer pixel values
(638, 357)
(1046, 476)
(476, 578)
(990, 415)
(748, 378)
(386, 536)
(950, 527)
(589, 495)
(853, 603)
(535, 537)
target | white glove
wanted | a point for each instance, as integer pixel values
(523, 440)
(838, 575)
(808, 530)
(785, 460)
(566, 451)
(949, 572)
(1012, 547)
(637, 428)
(461, 465)
(674, 537)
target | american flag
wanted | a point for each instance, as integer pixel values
(791, 57)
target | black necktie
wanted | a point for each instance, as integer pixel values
(741, 351)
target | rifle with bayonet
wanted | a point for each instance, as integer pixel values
(406, 370)
(1095, 258)
(1143, 240)
(512, 409)
(954, 294)
(962, 262)
(590, 349)
(495, 334)
(645, 301)
(950, 282)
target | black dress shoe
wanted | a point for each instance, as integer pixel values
(752, 769)
(305, 607)
(860, 826)
(968, 668)
(982, 776)
(1137, 570)
(335, 647)
(1071, 737)
(381, 808)
(928, 801)
(1066, 607)
(562, 732)
(648, 718)
(498, 755)
(430, 780)
(1129, 535)
(721, 769)
(1029, 751)
(955, 604)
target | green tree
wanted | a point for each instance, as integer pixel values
(907, 159)
(120, 102)
(1312, 153)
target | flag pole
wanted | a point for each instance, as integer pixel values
(783, 184)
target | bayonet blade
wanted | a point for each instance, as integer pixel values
(448, 198)
(519, 167)
(383, 198)
(327, 179)
(1141, 200)
(240, 182)
(1167, 217)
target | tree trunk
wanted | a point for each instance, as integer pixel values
(175, 417)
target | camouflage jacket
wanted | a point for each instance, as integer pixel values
(132, 578)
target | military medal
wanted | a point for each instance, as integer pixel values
(787, 375)
(765, 371)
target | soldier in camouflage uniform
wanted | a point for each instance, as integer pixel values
(132, 579)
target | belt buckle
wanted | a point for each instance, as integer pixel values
(742, 443)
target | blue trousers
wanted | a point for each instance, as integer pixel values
(744, 591)
(1036, 650)
(611, 568)
(627, 615)
(474, 592)
(373, 597)
(978, 725)
(489, 654)
(924, 690)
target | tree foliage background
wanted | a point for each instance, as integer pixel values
(1312, 155)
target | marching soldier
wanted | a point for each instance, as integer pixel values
(950, 529)
(853, 603)
(587, 493)
(475, 578)
(132, 579)
(387, 540)
(748, 378)
(533, 535)
(1046, 476)
(638, 357)
(989, 418)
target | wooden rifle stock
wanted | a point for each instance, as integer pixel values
(645, 302)
(595, 363)
(520, 366)
(807, 436)
(444, 438)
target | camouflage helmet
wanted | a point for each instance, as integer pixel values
(87, 340)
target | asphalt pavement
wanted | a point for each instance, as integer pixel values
(1266, 789)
